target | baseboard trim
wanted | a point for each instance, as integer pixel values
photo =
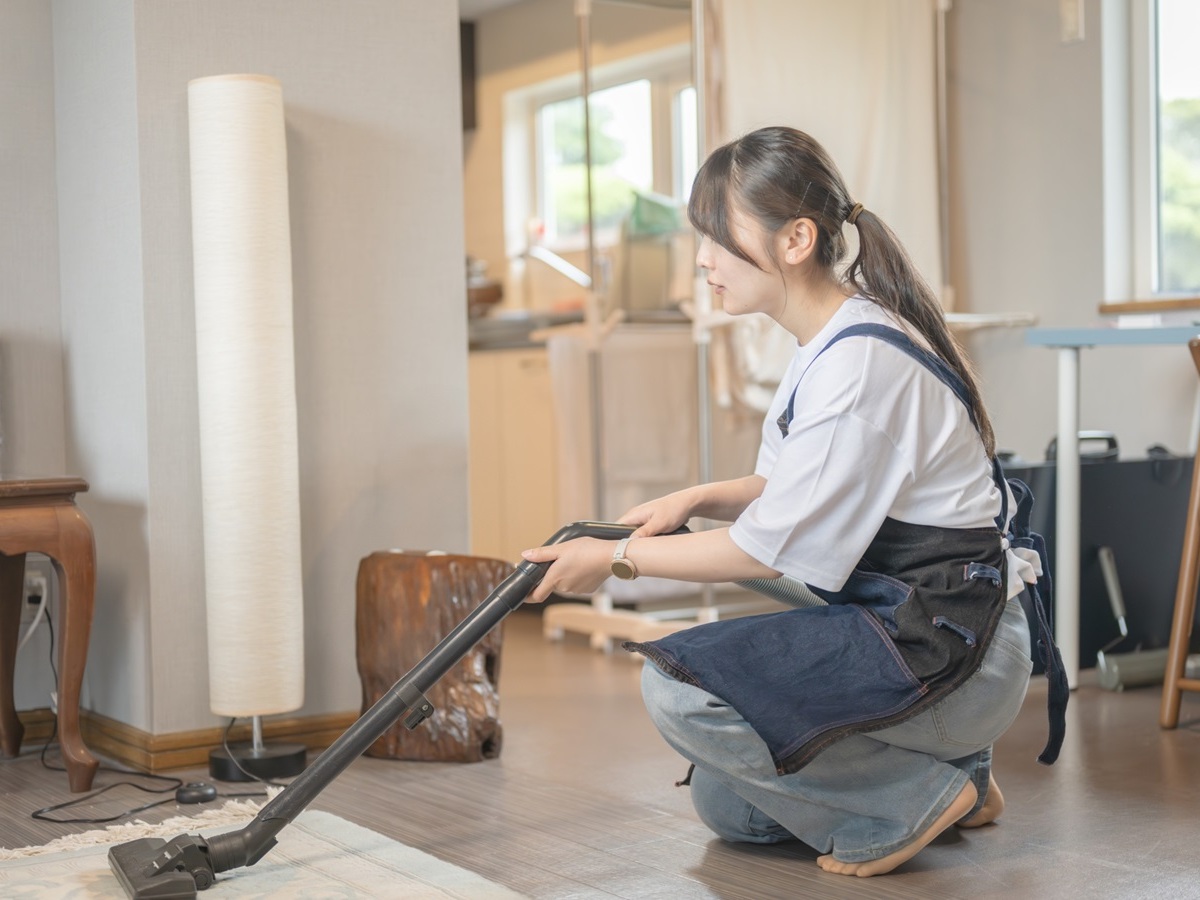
(39, 725)
(181, 749)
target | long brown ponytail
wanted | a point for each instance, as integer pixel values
(779, 174)
(883, 272)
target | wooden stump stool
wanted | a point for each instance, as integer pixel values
(406, 603)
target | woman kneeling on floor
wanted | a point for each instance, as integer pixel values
(863, 728)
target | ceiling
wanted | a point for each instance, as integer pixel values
(473, 9)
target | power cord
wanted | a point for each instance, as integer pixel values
(250, 776)
(189, 793)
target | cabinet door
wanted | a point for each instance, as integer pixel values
(484, 460)
(514, 469)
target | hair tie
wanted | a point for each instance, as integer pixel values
(853, 217)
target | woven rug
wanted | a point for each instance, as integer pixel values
(319, 855)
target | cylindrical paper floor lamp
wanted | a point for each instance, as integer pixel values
(247, 399)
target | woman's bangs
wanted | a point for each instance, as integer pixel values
(708, 206)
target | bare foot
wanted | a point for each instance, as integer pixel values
(960, 807)
(993, 806)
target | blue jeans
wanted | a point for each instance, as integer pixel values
(864, 797)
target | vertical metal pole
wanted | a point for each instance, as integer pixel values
(583, 14)
(256, 738)
(702, 299)
(943, 151)
(700, 76)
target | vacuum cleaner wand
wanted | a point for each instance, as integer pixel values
(1137, 667)
(153, 867)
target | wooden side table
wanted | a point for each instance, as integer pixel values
(40, 516)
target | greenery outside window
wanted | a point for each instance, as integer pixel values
(621, 155)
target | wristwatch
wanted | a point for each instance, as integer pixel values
(622, 566)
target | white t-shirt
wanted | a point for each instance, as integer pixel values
(874, 434)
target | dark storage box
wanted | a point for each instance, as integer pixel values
(1138, 508)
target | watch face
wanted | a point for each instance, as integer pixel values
(622, 569)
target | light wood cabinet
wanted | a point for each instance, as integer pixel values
(513, 456)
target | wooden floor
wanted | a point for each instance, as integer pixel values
(581, 802)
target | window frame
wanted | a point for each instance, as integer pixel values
(1144, 155)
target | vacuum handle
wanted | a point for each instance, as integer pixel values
(607, 531)
(533, 573)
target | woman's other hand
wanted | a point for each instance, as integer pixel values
(661, 516)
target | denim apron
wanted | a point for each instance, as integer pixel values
(911, 624)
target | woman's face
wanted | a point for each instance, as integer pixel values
(741, 286)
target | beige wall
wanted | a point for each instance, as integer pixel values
(372, 107)
(31, 377)
(32, 437)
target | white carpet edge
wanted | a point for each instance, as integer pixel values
(233, 812)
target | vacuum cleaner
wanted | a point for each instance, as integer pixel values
(178, 868)
(1137, 667)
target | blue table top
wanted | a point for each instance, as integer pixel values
(1091, 337)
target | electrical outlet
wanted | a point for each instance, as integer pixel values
(35, 590)
(37, 587)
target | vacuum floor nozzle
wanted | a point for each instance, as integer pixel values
(1139, 668)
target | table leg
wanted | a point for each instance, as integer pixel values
(1066, 557)
(12, 586)
(1174, 681)
(75, 564)
(1185, 608)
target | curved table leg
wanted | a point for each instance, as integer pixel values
(75, 563)
(12, 584)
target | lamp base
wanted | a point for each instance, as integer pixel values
(266, 762)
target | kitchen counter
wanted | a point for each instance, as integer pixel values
(512, 330)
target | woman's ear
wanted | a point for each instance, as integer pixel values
(799, 240)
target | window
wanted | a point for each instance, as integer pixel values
(1177, 113)
(622, 156)
(643, 124)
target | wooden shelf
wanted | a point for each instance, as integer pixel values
(1174, 304)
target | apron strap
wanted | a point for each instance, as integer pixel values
(930, 361)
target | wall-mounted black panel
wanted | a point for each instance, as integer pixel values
(466, 41)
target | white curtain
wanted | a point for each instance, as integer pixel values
(860, 77)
